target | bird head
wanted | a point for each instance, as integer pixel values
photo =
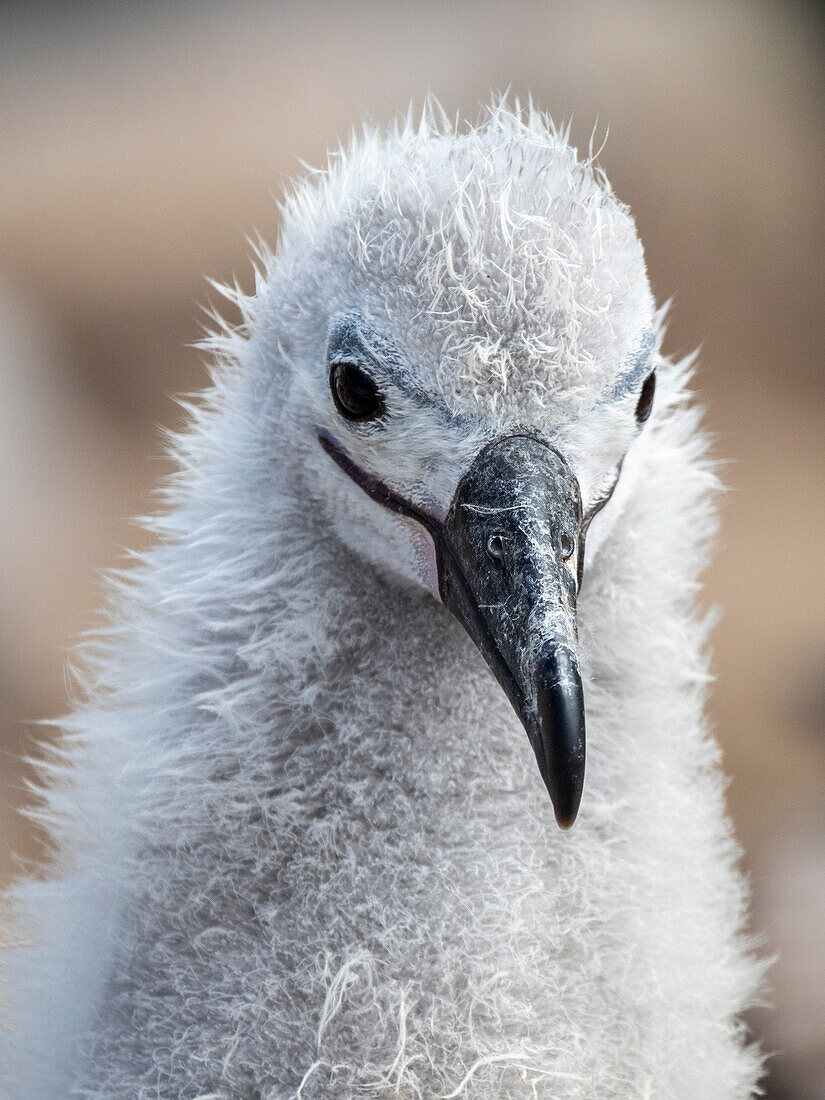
(467, 342)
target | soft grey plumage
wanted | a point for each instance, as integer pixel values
(305, 850)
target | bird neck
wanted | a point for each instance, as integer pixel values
(337, 818)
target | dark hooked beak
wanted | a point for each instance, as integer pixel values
(509, 556)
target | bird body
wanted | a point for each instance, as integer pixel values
(304, 851)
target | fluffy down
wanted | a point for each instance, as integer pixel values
(302, 848)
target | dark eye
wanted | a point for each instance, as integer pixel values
(646, 398)
(355, 394)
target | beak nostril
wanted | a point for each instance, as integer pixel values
(495, 548)
(567, 545)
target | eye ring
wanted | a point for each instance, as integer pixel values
(354, 394)
(645, 402)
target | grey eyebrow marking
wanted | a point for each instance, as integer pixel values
(635, 369)
(353, 338)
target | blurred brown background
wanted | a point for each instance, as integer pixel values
(140, 143)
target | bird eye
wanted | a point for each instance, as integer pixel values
(355, 394)
(646, 398)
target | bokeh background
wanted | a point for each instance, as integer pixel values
(141, 143)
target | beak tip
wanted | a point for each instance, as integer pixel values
(565, 788)
(566, 816)
(566, 794)
(561, 733)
